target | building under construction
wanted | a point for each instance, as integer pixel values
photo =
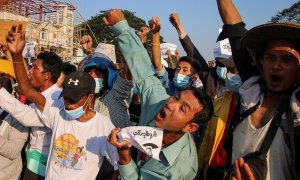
(49, 23)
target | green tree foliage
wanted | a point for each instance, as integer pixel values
(291, 14)
(104, 34)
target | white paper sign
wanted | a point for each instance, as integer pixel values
(164, 47)
(108, 50)
(219, 54)
(28, 50)
(225, 45)
(146, 139)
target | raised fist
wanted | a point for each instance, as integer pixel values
(174, 19)
(113, 16)
(86, 42)
(16, 40)
(154, 24)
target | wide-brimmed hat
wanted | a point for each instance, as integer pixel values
(225, 62)
(257, 38)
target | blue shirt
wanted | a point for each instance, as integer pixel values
(179, 160)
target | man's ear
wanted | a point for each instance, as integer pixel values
(191, 127)
(47, 75)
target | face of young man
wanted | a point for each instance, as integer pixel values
(37, 75)
(184, 68)
(281, 67)
(84, 101)
(178, 111)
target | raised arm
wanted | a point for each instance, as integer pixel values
(234, 29)
(186, 42)
(154, 24)
(152, 92)
(16, 43)
(228, 12)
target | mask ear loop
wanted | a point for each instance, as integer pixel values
(255, 61)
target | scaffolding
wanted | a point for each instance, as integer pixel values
(50, 23)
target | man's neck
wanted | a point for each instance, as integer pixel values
(45, 86)
(88, 115)
(170, 137)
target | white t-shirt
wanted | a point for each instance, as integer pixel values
(248, 139)
(77, 148)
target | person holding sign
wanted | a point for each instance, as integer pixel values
(186, 71)
(177, 115)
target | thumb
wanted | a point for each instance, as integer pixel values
(105, 21)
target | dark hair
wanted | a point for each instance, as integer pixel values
(51, 63)
(196, 67)
(206, 113)
(67, 68)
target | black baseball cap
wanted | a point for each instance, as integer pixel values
(77, 85)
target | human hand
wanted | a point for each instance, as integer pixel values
(143, 33)
(113, 16)
(169, 53)
(211, 64)
(154, 24)
(177, 54)
(87, 43)
(16, 40)
(242, 171)
(113, 139)
(3, 47)
(174, 19)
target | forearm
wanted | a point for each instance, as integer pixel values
(171, 62)
(24, 114)
(124, 157)
(24, 83)
(156, 56)
(228, 12)
(192, 51)
(135, 54)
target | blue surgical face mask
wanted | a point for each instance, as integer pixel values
(233, 82)
(221, 72)
(181, 81)
(78, 112)
(99, 85)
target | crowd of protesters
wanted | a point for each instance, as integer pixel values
(233, 118)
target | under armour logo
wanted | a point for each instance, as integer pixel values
(72, 81)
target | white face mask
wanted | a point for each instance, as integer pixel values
(198, 83)
(78, 112)
(99, 85)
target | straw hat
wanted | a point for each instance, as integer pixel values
(257, 38)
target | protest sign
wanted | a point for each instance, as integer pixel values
(7, 67)
(225, 45)
(146, 139)
(219, 54)
(164, 47)
(108, 50)
(28, 50)
(6, 26)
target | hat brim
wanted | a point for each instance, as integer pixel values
(225, 62)
(257, 38)
(70, 94)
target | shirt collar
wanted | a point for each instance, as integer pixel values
(50, 90)
(172, 151)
